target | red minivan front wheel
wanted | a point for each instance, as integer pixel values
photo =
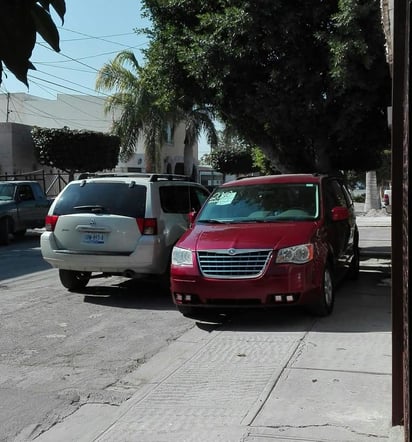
(324, 306)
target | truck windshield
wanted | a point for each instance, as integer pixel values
(6, 192)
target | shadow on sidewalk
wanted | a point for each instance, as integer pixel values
(361, 306)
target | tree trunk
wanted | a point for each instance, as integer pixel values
(188, 159)
(372, 199)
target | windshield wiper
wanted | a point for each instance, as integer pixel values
(215, 221)
(232, 221)
(92, 207)
(250, 220)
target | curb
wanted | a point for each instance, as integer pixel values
(377, 254)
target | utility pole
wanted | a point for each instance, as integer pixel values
(8, 107)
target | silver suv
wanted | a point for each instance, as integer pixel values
(118, 224)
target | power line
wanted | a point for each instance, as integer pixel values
(80, 97)
(87, 68)
(56, 84)
(68, 57)
(58, 119)
(84, 58)
(67, 81)
(91, 37)
(52, 65)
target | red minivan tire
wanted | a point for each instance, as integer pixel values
(324, 306)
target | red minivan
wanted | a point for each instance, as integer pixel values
(267, 241)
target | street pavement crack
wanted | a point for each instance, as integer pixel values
(326, 425)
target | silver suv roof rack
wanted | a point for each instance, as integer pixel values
(169, 177)
(151, 176)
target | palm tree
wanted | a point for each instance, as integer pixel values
(372, 199)
(140, 113)
(196, 120)
(143, 113)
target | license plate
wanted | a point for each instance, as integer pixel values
(93, 238)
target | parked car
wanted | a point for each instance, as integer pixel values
(23, 205)
(387, 198)
(118, 225)
(283, 240)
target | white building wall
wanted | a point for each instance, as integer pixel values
(83, 112)
(16, 149)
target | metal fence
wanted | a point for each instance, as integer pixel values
(51, 183)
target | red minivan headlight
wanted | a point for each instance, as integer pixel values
(300, 254)
(182, 257)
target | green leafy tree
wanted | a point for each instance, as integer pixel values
(75, 151)
(234, 160)
(20, 21)
(261, 163)
(232, 155)
(307, 82)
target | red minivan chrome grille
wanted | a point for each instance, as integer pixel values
(147, 226)
(233, 264)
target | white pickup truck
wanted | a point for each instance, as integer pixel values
(23, 205)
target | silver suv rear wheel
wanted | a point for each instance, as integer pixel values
(74, 280)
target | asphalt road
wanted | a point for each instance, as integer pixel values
(60, 350)
(22, 256)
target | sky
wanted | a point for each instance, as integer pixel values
(93, 32)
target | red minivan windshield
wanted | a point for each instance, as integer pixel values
(261, 203)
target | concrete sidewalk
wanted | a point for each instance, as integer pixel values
(264, 376)
(374, 221)
(374, 236)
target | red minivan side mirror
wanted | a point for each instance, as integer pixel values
(340, 213)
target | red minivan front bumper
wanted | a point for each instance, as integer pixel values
(284, 284)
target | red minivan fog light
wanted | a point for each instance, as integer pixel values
(184, 298)
(285, 298)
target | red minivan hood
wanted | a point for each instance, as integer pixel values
(248, 235)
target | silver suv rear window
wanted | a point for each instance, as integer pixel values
(110, 198)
